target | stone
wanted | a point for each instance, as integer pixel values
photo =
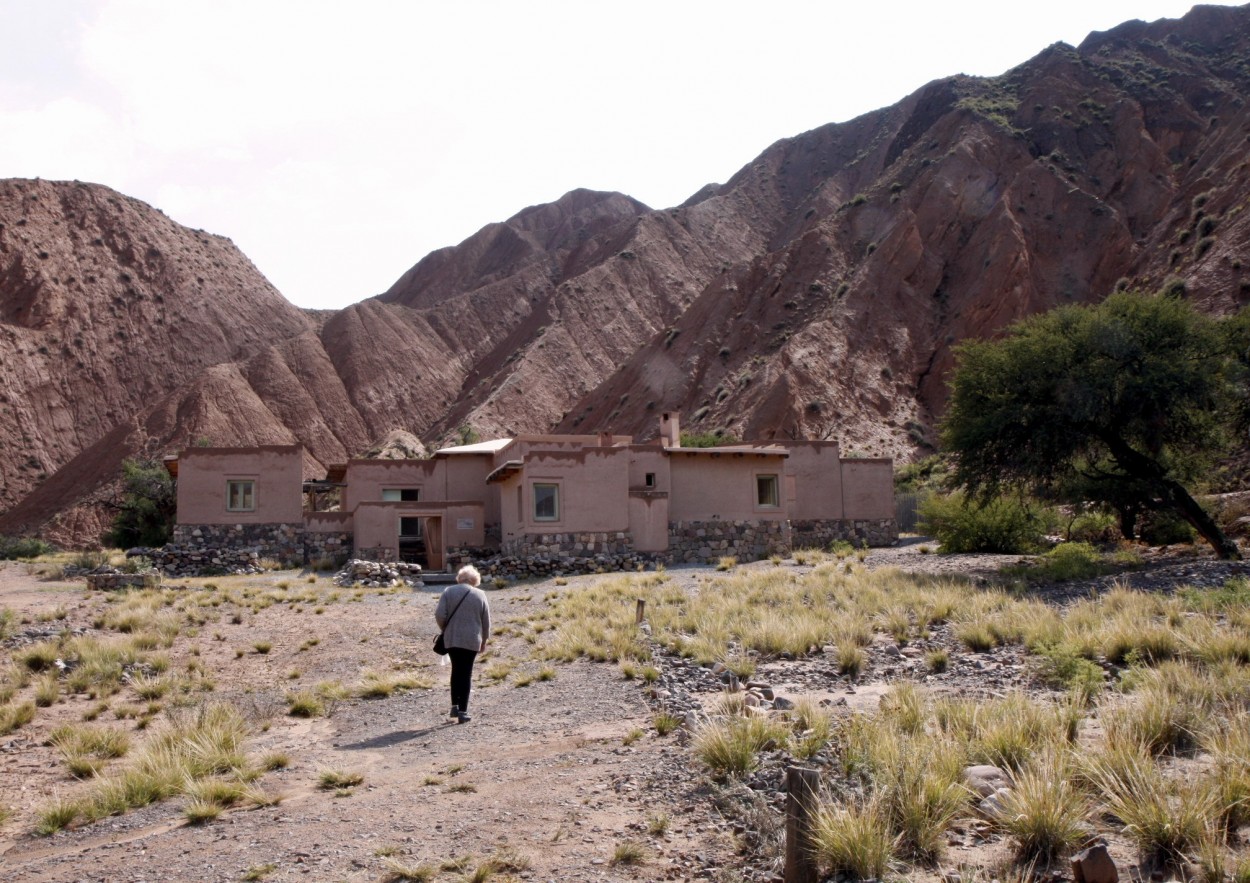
(992, 806)
(1094, 865)
(985, 779)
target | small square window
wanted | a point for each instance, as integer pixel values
(241, 496)
(649, 481)
(766, 491)
(401, 495)
(546, 502)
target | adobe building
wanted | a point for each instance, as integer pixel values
(536, 497)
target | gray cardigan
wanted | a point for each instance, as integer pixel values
(471, 624)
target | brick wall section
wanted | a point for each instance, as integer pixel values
(705, 541)
(822, 534)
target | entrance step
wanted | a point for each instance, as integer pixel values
(437, 578)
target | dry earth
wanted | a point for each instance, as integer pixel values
(559, 777)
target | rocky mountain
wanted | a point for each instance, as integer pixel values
(815, 294)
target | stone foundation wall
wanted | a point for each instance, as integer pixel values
(514, 567)
(538, 556)
(822, 534)
(282, 542)
(238, 548)
(336, 547)
(569, 545)
(705, 541)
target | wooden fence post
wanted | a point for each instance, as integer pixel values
(641, 612)
(802, 786)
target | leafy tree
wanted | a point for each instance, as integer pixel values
(715, 438)
(147, 507)
(1126, 402)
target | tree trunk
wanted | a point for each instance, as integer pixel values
(1128, 522)
(1174, 496)
(1187, 507)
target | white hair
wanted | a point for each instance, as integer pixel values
(469, 576)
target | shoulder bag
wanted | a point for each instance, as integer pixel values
(439, 646)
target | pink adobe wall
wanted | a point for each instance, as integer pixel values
(594, 492)
(707, 486)
(817, 472)
(278, 473)
(377, 524)
(454, 477)
(328, 522)
(524, 444)
(649, 507)
(465, 479)
(366, 479)
(648, 522)
(868, 488)
(649, 458)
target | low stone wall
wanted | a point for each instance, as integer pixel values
(705, 541)
(822, 534)
(112, 581)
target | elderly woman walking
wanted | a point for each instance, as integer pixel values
(463, 614)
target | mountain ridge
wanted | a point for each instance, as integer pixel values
(817, 293)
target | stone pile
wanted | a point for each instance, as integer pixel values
(379, 574)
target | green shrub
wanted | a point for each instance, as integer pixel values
(1165, 528)
(1000, 525)
(1064, 668)
(1094, 526)
(23, 547)
(1064, 562)
(928, 474)
(712, 439)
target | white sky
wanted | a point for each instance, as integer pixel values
(338, 143)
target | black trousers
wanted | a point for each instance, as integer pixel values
(461, 675)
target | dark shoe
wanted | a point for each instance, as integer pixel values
(463, 717)
(455, 711)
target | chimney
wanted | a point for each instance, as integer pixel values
(605, 439)
(670, 429)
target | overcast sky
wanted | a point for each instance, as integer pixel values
(338, 143)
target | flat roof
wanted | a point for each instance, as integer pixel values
(762, 450)
(493, 446)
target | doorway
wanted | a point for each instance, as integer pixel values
(412, 540)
